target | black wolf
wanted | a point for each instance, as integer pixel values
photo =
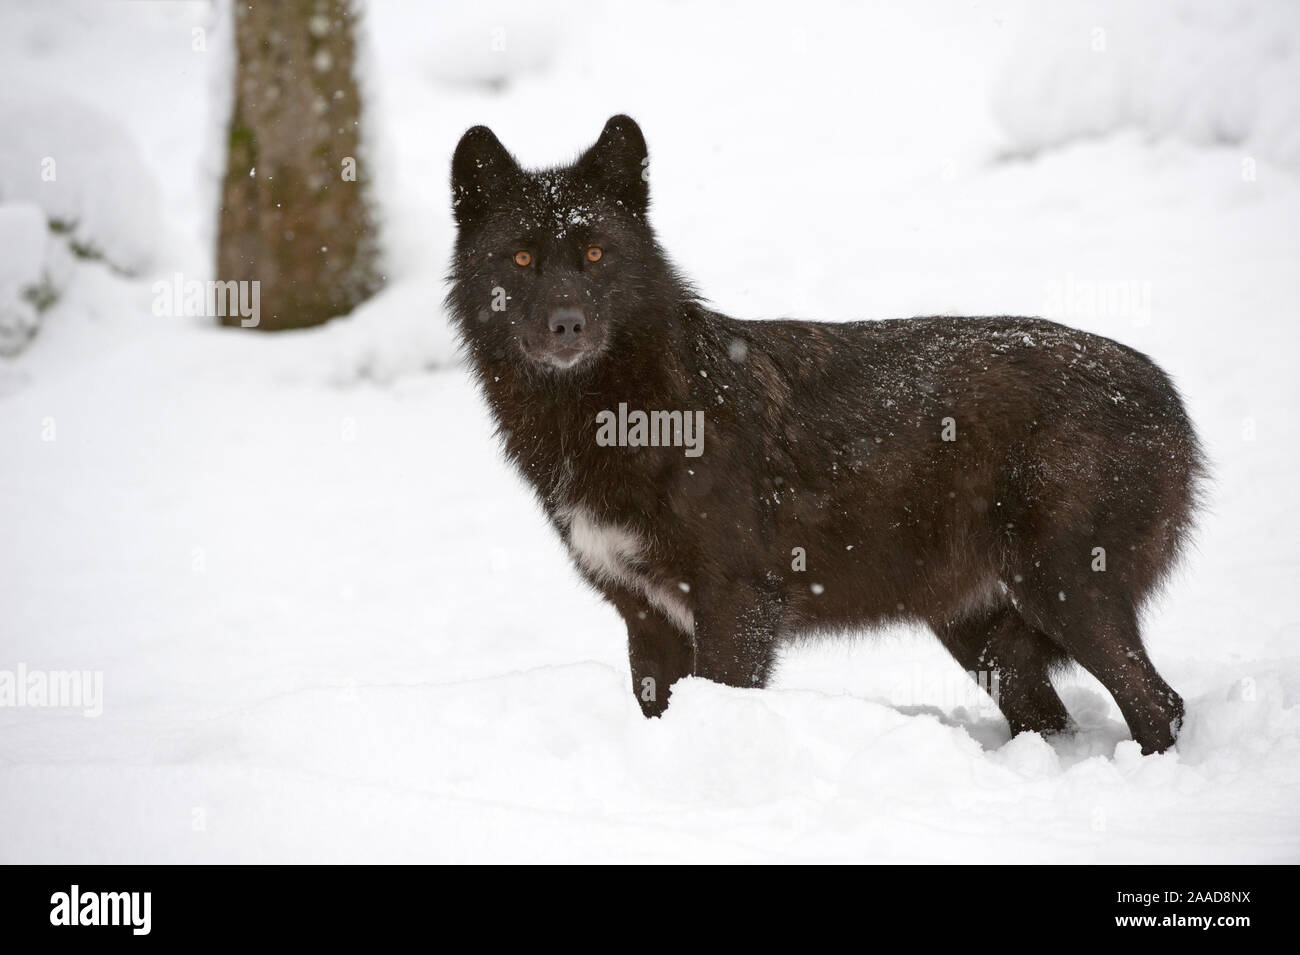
(1018, 486)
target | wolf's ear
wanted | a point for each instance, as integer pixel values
(617, 164)
(481, 172)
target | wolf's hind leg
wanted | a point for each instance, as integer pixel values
(1100, 631)
(1013, 662)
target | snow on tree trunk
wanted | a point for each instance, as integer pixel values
(294, 213)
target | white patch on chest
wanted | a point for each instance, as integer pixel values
(613, 554)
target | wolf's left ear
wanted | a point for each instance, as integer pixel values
(481, 171)
(618, 164)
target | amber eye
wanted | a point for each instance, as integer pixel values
(594, 254)
(524, 259)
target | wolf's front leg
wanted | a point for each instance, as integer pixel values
(660, 655)
(735, 634)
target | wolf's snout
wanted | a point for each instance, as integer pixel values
(572, 338)
(566, 325)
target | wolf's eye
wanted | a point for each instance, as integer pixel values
(594, 254)
(523, 259)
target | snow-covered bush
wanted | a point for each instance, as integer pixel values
(72, 186)
(33, 268)
(85, 173)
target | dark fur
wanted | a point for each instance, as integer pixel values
(825, 437)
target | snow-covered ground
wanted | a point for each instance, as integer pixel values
(332, 625)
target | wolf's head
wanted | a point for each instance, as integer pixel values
(553, 268)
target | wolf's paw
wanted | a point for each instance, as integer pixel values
(652, 707)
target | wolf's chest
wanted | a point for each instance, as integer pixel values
(614, 554)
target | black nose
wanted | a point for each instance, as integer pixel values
(566, 324)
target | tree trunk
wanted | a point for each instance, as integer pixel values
(294, 213)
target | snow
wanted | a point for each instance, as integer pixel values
(85, 173)
(333, 626)
(1204, 71)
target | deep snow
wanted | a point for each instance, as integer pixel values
(333, 626)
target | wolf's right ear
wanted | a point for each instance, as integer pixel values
(481, 171)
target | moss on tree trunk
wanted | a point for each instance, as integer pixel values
(291, 216)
